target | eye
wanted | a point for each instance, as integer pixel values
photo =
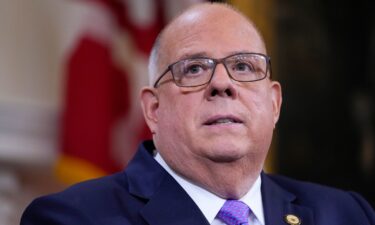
(193, 69)
(196, 67)
(243, 67)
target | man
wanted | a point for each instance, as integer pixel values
(212, 107)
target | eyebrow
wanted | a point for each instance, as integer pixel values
(206, 55)
(194, 55)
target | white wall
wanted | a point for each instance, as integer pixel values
(34, 38)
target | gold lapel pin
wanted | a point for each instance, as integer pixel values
(292, 219)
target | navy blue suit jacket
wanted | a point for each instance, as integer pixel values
(146, 194)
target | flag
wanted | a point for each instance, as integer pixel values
(102, 121)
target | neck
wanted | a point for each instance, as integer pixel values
(229, 180)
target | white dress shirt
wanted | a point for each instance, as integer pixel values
(210, 204)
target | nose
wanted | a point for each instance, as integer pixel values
(221, 84)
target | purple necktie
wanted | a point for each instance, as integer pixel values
(234, 213)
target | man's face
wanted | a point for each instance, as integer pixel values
(223, 121)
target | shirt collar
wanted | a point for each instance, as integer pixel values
(253, 199)
(209, 203)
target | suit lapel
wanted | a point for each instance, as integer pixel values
(170, 205)
(166, 201)
(278, 203)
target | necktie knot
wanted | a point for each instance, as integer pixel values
(234, 212)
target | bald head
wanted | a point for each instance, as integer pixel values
(196, 21)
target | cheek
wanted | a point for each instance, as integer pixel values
(176, 130)
(260, 122)
(260, 108)
(176, 115)
(263, 107)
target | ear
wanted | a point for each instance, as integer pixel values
(150, 105)
(276, 100)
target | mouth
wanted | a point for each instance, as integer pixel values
(217, 120)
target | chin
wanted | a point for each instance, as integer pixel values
(226, 152)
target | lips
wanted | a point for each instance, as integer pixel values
(215, 120)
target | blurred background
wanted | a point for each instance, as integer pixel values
(70, 71)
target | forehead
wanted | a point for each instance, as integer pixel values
(216, 32)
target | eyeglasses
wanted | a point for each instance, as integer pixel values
(242, 67)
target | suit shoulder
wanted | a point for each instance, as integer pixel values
(77, 202)
(323, 197)
(304, 187)
(96, 186)
(309, 191)
(95, 191)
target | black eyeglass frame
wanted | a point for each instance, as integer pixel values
(217, 61)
